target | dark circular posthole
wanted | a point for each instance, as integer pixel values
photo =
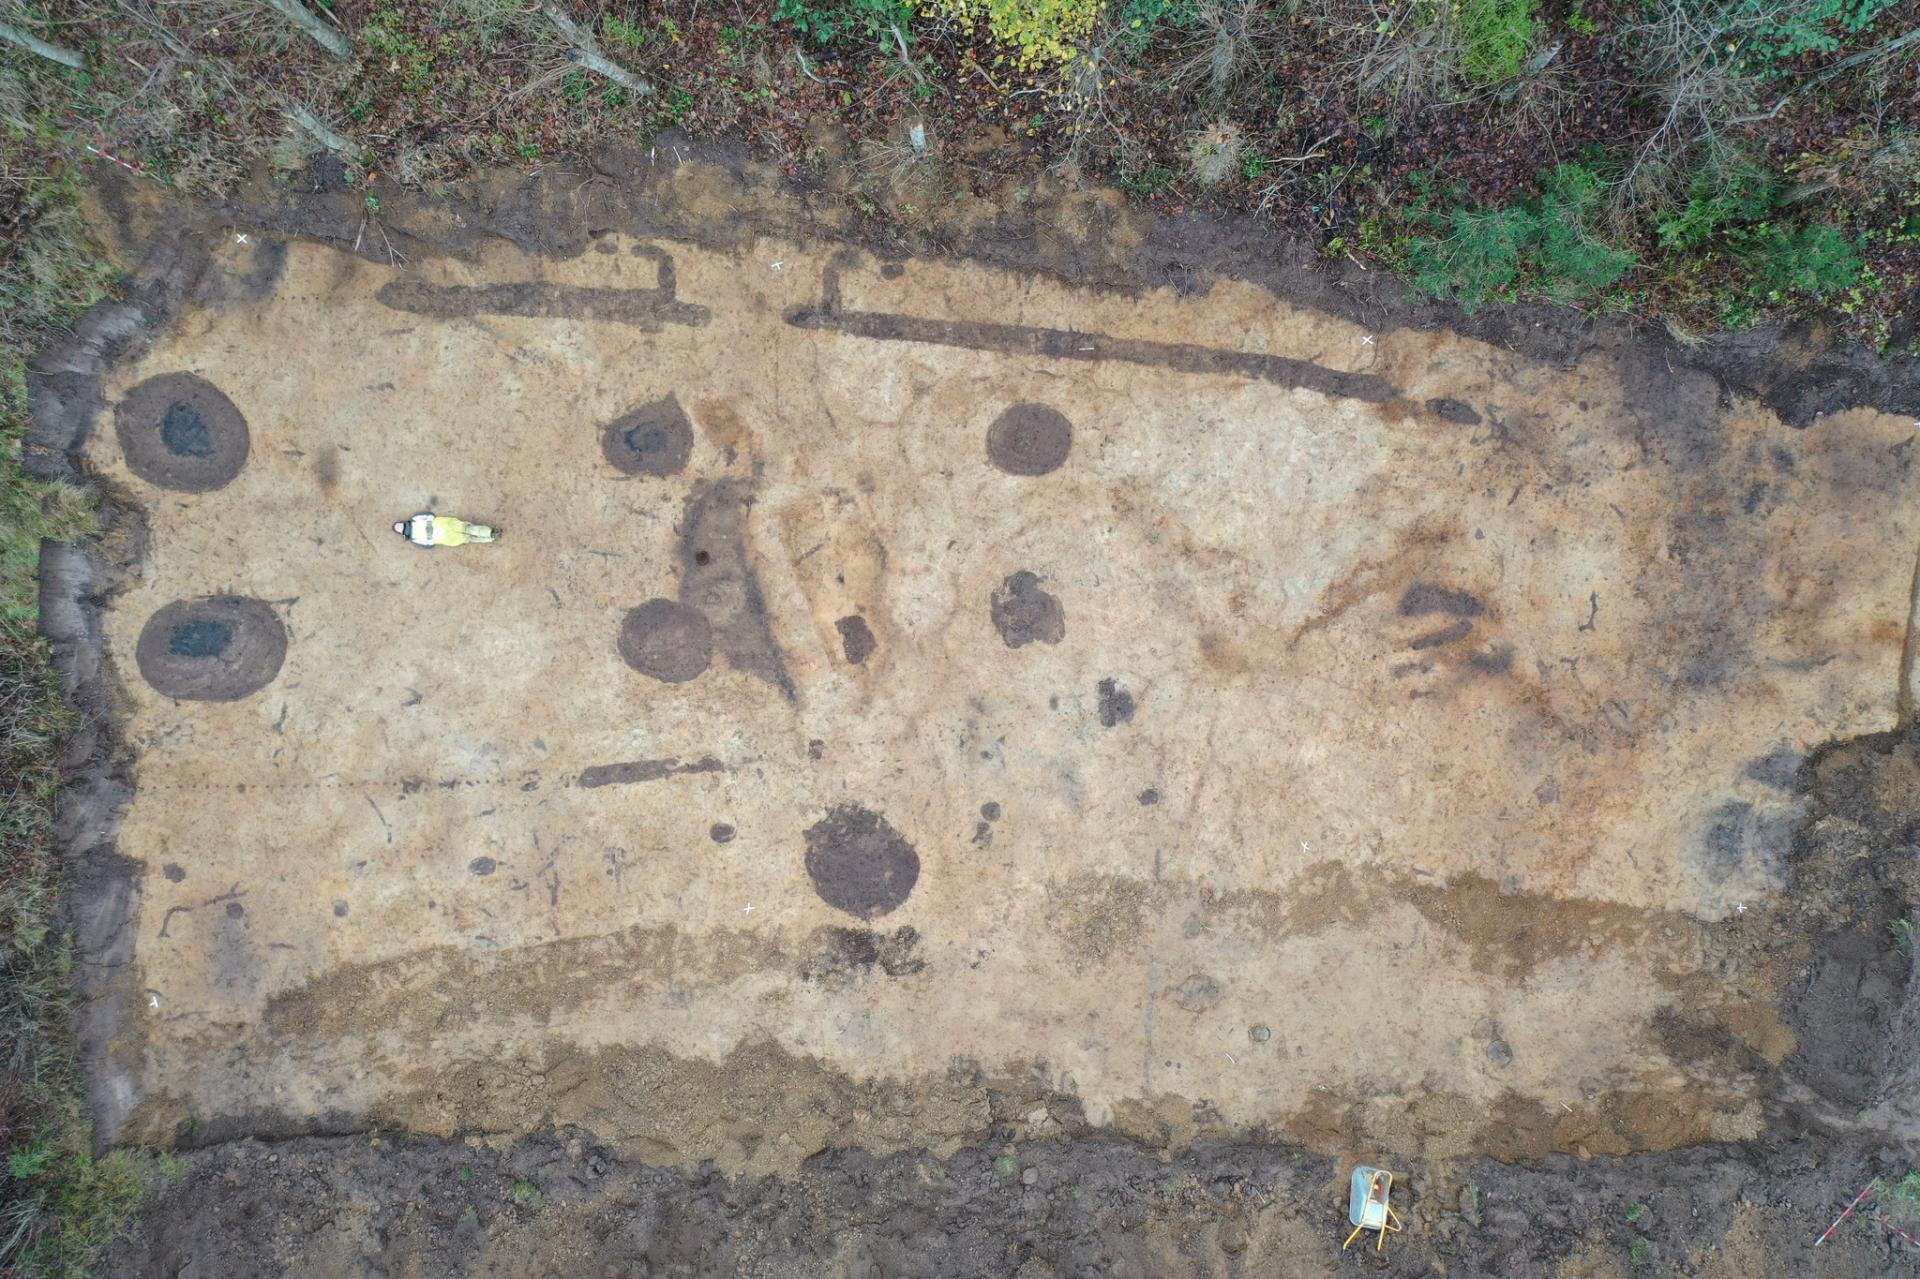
(666, 640)
(178, 431)
(654, 439)
(220, 648)
(859, 863)
(1029, 439)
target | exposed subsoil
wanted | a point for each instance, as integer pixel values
(1846, 1105)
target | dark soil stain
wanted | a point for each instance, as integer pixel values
(1024, 613)
(1422, 598)
(483, 866)
(185, 432)
(180, 432)
(1029, 439)
(339, 910)
(220, 648)
(654, 439)
(645, 770)
(1497, 660)
(990, 810)
(859, 863)
(1116, 703)
(717, 579)
(1458, 412)
(721, 833)
(644, 309)
(174, 872)
(1149, 797)
(839, 954)
(1080, 344)
(1450, 634)
(856, 638)
(235, 910)
(201, 637)
(668, 641)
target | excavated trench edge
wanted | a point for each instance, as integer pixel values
(65, 387)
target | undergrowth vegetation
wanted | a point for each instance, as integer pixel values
(58, 1203)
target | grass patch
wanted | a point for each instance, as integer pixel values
(58, 1204)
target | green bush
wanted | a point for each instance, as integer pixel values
(825, 21)
(1813, 259)
(1729, 193)
(1477, 259)
(1543, 246)
(1570, 261)
(1495, 35)
(1808, 27)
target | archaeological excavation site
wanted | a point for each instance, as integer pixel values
(1036, 755)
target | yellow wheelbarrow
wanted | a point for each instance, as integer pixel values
(1367, 1205)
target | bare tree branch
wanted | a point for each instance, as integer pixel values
(586, 53)
(300, 16)
(51, 52)
(342, 146)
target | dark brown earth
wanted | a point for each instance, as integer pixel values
(217, 649)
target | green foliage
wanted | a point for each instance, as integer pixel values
(1139, 19)
(1810, 25)
(1145, 183)
(1729, 193)
(29, 1161)
(1495, 35)
(527, 1195)
(1902, 930)
(623, 34)
(1035, 34)
(396, 51)
(1544, 246)
(1571, 261)
(1813, 259)
(825, 21)
(1640, 1250)
(1479, 257)
(1636, 1212)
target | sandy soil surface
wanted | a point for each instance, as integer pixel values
(918, 704)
